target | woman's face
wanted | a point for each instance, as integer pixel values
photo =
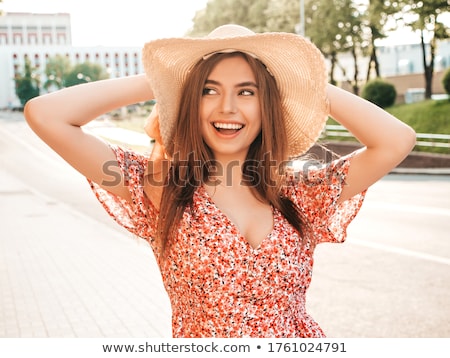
(230, 109)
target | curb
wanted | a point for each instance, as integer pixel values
(418, 171)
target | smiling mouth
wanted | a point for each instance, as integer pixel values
(228, 128)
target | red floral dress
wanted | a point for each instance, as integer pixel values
(218, 284)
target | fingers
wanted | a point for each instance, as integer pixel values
(158, 153)
(151, 126)
(156, 172)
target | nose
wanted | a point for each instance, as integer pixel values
(228, 103)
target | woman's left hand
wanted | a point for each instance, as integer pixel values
(158, 163)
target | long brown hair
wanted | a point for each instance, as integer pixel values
(193, 161)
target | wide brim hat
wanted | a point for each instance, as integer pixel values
(297, 65)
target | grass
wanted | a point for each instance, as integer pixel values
(425, 117)
(430, 117)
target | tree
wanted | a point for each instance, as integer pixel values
(446, 81)
(321, 28)
(336, 27)
(85, 72)
(56, 71)
(378, 13)
(283, 15)
(27, 84)
(426, 22)
(60, 73)
(355, 42)
(219, 12)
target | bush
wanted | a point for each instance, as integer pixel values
(446, 81)
(379, 92)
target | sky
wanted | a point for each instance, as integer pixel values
(134, 22)
(117, 23)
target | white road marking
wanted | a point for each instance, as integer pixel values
(408, 208)
(400, 251)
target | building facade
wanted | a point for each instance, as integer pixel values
(26, 29)
(39, 37)
(395, 60)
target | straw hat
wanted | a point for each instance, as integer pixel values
(297, 65)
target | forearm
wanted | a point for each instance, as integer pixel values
(387, 140)
(371, 125)
(80, 104)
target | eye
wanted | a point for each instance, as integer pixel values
(208, 91)
(247, 92)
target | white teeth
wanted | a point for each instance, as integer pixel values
(235, 126)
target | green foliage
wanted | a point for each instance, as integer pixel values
(426, 20)
(219, 12)
(337, 29)
(338, 26)
(85, 72)
(283, 15)
(333, 28)
(428, 116)
(446, 81)
(379, 92)
(375, 21)
(27, 84)
(56, 71)
(61, 73)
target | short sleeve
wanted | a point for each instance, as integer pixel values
(316, 192)
(139, 215)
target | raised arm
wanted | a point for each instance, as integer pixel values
(57, 118)
(387, 141)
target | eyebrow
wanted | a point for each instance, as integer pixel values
(242, 84)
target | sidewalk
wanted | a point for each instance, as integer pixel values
(63, 274)
(108, 130)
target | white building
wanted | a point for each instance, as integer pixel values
(39, 37)
(407, 58)
(24, 29)
(394, 60)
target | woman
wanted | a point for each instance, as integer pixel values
(232, 227)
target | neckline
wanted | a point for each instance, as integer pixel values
(242, 238)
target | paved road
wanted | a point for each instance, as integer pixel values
(66, 270)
